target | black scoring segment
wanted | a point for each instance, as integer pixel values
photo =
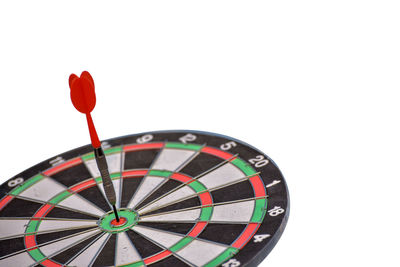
(9, 246)
(129, 187)
(200, 164)
(180, 228)
(165, 188)
(94, 195)
(141, 159)
(20, 208)
(222, 233)
(145, 247)
(233, 192)
(64, 213)
(170, 261)
(66, 255)
(43, 238)
(72, 175)
(107, 254)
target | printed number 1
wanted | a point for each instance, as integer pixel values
(273, 183)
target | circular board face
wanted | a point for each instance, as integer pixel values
(185, 198)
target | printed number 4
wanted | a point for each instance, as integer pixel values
(231, 263)
(260, 238)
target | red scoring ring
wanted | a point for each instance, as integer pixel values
(122, 221)
(241, 241)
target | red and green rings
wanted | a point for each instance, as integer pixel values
(259, 233)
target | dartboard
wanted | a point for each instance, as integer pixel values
(184, 198)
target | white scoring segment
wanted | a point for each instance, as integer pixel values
(171, 159)
(21, 259)
(178, 216)
(125, 251)
(11, 228)
(90, 252)
(113, 162)
(43, 190)
(148, 184)
(163, 238)
(168, 160)
(57, 225)
(234, 212)
(223, 175)
(40, 191)
(63, 244)
(79, 203)
(175, 196)
(200, 252)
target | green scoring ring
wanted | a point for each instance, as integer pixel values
(105, 221)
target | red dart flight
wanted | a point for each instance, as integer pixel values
(84, 100)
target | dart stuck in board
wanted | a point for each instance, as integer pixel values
(178, 198)
(83, 98)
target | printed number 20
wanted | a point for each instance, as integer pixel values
(259, 161)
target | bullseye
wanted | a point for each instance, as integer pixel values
(109, 223)
(121, 222)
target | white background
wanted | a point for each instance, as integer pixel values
(313, 84)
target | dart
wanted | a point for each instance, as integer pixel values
(83, 98)
(184, 198)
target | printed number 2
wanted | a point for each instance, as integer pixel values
(231, 263)
(259, 161)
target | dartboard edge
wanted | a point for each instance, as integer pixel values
(187, 198)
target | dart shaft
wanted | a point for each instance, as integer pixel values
(116, 213)
(92, 131)
(105, 176)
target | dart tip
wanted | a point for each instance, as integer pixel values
(116, 213)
